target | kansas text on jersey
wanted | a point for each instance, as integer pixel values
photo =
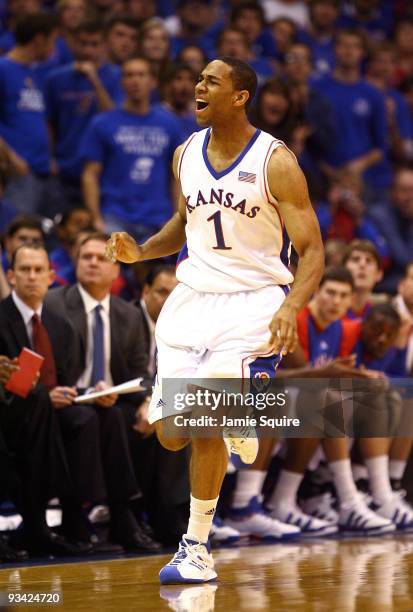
(236, 239)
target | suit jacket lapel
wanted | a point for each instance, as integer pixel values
(17, 327)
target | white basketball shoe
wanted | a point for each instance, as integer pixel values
(191, 564)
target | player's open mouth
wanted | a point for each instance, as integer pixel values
(201, 105)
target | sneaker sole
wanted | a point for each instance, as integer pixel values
(174, 577)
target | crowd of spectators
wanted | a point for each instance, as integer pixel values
(94, 98)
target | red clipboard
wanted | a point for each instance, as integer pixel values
(21, 382)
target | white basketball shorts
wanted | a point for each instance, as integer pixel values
(214, 335)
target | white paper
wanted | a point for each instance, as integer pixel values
(132, 386)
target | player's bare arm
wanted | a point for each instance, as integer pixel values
(169, 240)
(288, 185)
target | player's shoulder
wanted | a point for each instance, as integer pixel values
(193, 139)
(281, 159)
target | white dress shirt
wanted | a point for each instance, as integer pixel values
(90, 304)
(27, 314)
(152, 343)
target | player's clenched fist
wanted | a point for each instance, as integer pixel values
(122, 247)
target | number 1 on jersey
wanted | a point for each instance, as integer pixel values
(216, 218)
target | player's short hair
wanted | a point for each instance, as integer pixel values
(122, 19)
(337, 274)
(90, 26)
(364, 246)
(30, 25)
(243, 76)
(24, 221)
(385, 310)
(153, 274)
(33, 247)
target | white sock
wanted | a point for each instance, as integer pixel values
(359, 472)
(200, 518)
(396, 468)
(249, 484)
(343, 480)
(285, 492)
(378, 469)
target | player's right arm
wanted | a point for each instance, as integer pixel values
(169, 240)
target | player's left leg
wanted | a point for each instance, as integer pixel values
(193, 562)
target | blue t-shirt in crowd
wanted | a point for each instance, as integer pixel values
(63, 265)
(136, 152)
(71, 104)
(393, 362)
(361, 125)
(263, 69)
(22, 114)
(382, 170)
(322, 51)
(188, 125)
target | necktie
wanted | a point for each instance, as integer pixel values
(42, 345)
(98, 367)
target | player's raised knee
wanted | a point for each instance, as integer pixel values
(167, 439)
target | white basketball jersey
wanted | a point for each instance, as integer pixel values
(235, 235)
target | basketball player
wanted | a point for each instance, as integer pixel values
(242, 192)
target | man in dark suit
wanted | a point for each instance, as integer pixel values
(110, 351)
(36, 467)
(167, 505)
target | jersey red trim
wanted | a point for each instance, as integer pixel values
(183, 153)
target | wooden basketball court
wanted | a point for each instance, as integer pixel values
(326, 575)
